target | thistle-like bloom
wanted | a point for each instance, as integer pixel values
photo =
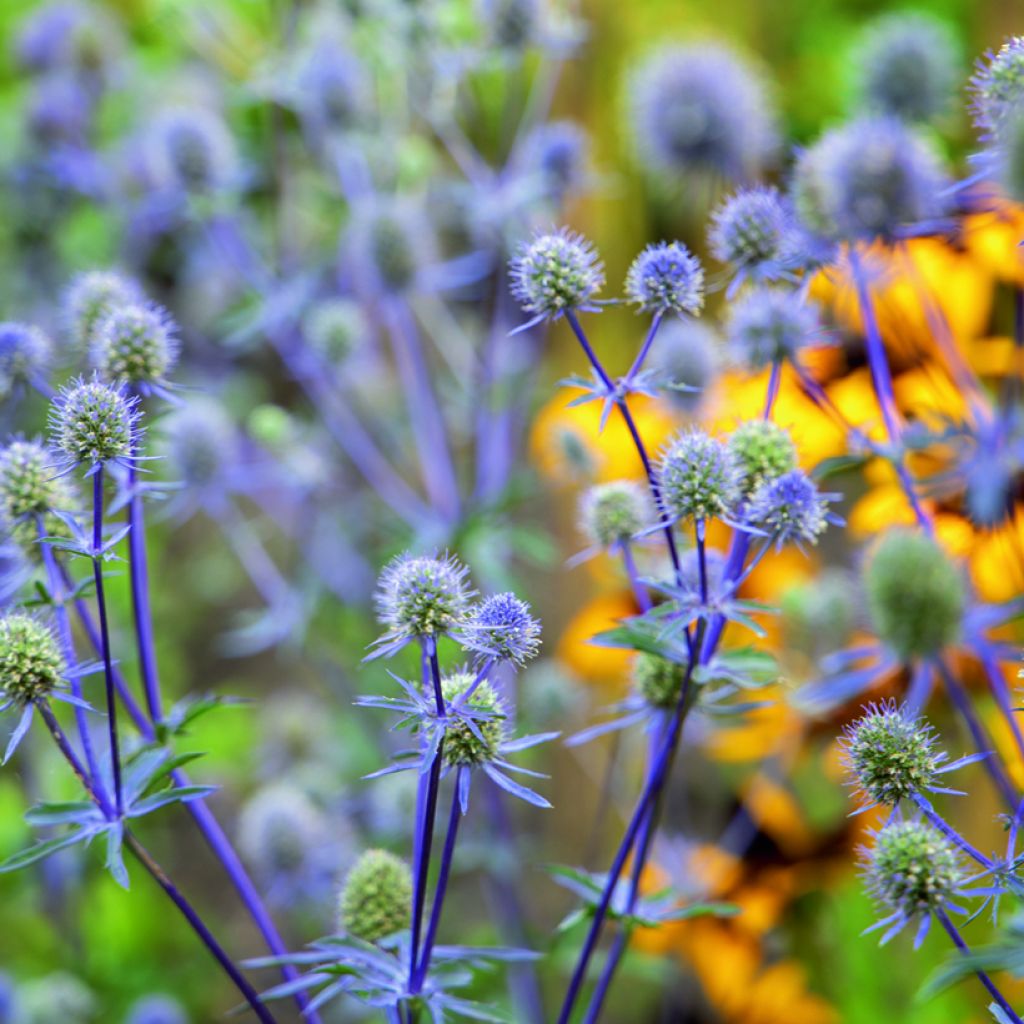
(771, 325)
(555, 272)
(867, 179)
(91, 297)
(511, 24)
(25, 353)
(473, 741)
(913, 870)
(30, 489)
(819, 615)
(92, 422)
(614, 512)
(1007, 158)
(906, 66)
(658, 681)
(998, 87)
(789, 509)
(558, 154)
(135, 344)
(330, 90)
(700, 478)
(701, 110)
(915, 595)
(685, 360)
(376, 899)
(157, 1009)
(190, 150)
(764, 451)
(419, 598)
(201, 444)
(748, 231)
(666, 278)
(335, 328)
(502, 627)
(393, 247)
(31, 664)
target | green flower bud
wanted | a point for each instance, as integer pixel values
(31, 663)
(658, 680)
(613, 512)
(461, 745)
(376, 899)
(913, 867)
(763, 450)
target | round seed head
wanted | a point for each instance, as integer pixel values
(94, 422)
(700, 478)
(392, 249)
(998, 87)
(463, 746)
(614, 512)
(135, 344)
(279, 828)
(29, 488)
(511, 24)
(819, 616)
(768, 325)
(25, 353)
(335, 328)
(890, 754)
(502, 627)
(422, 596)
(748, 228)
(31, 663)
(557, 152)
(789, 508)
(331, 88)
(764, 451)
(555, 272)
(200, 442)
(658, 680)
(915, 594)
(666, 278)
(686, 356)
(91, 297)
(376, 899)
(912, 868)
(190, 149)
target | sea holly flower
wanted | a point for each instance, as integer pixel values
(789, 509)
(501, 627)
(30, 491)
(135, 344)
(685, 361)
(557, 155)
(998, 87)
(157, 1009)
(764, 450)
(555, 273)
(191, 151)
(700, 477)
(93, 423)
(91, 297)
(335, 329)
(748, 232)
(511, 24)
(25, 354)
(613, 513)
(666, 278)
(772, 325)
(376, 898)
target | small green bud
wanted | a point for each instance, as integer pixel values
(658, 680)
(376, 899)
(764, 451)
(614, 512)
(31, 664)
(461, 745)
(335, 328)
(913, 867)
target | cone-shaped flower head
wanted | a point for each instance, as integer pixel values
(912, 868)
(31, 663)
(91, 297)
(135, 343)
(748, 229)
(789, 508)
(700, 477)
(666, 278)
(770, 324)
(502, 627)
(25, 353)
(998, 87)
(763, 450)
(94, 422)
(376, 899)
(335, 328)
(658, 680)
(555, 272)
(191, 149)
(422, 596)
(465, 745)
(613, 512)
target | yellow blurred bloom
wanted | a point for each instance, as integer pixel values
(993, 240)
(997, 561)
(587, 660)
(776, 813)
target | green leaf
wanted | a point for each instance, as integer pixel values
(43, 850)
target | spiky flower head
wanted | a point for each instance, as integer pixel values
(190, 149)
(700, 478)
(912, 868)
(200, 442)
(686, 360)
(376, 899)
(391, 242)
(769, 324)
(502, 627)
(29, 488)
(91, 297)
(157, 1009)
(136, 344)
(510, 24)
(468, 744)
(334, 328)
(666, 278)
(906, 65)
(748, 229)
(420, 596)
(789, 508)
(818, 615)
(1008, 157)
(866, 180)
(279, 829)
(31, 663)
(93, 422)
(614, 512)
(555, 272)
(890, 753)
(557, 152)
(998, 87)
(764, 451)
(915, 594)
(330, 89)
(25, 353)
(701, 110)
(658, 680)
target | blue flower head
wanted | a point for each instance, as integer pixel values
(867, 179)
(701, 110)
(376, 898)
(391, 242)
(191, 150)
(59, 111)
(748, 231)
(700, 478)
(666, 278)
(29, 490)
(91, 297)
(335, 328)
(330, 89)
(764, 451)
(92, 422)
(511, 24)
(135, 344)
(788, 508)
(555, 272)
(67, 36)
(31, 664)
(557, 153)
(770, 324)
(614, 512)
(157, 1009)
(998, 87)
(201, 443)
(1007, 157)
(25, 353)
(502, 627)
(907, 65)
(477, 741)
(685, 360)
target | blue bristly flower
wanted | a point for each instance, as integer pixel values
(25, 353)
(330, 91)
(701, 110)
(157, 1009)
(789, 509)
(772, 325)
(748, 232)
(685, 361)
(190, 150)
(91, 297)
(907, 65)
(700, 477)
(554, 273)
(203, 453)
(136, 345)
(511, 24)
(556, 155)
(666, 278)
(93, 423)
(871, 178)
(998, 87)
(502, 627)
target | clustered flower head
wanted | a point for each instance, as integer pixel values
(511, 24)
(912, 868)
(764, 451)
(818, 615)
(392, 245)
(890, 754)
(701, 110)
(200, 442)
(279, 827)
(134, 343)
(1008, 157)
(614, 512)
(190, 149)
(906, 66)
(915, 594)
(666, 278)
(376, 899)
(502, 627)
(30, 489)
(770, 324)
(93, 422)
(91, 297)
(748, 230)
(998, 87)
(658, 680)
(31, 663)
(473, 743)
(330, 88)
(685, 358)
(789, 508)
(25, 353)
(554, 273)
(866, 180)
(557, 152)
(700, 477)
(334, 328)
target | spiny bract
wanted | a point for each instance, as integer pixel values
(464, 746)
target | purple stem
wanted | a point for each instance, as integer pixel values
(101, 607)
(139, 573)
(1002, 695)
(645, 348)
(774, 380)
(88, 781)
(639, 590)
(950, 833)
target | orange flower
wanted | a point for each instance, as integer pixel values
(587, 660)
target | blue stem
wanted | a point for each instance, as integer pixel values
(950, 833)
(139, 572)
(643, 599)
